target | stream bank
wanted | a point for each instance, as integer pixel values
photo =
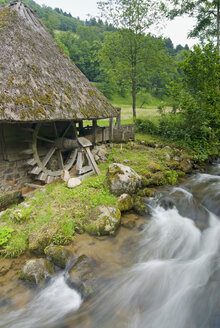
(162, 273)
(60, 214)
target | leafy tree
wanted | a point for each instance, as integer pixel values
(133, 17)
(206, 12)
(197, 98)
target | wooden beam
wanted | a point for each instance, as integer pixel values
(94, 132)
(92, 161)
(118, 118)
(111, 127)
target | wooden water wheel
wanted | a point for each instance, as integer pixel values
(55, 148)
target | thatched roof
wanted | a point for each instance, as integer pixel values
(37, 81)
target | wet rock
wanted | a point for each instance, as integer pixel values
(73, 182)
(125, 202)
(6, 265)
(186, 166)
(103, 220)
(59, 255)
(122, 179)
(38, 241)
(146, 192)
(82, 276)
(37, 271)
(129, 221)
(166, 203)
(140, 206)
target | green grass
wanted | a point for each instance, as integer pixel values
(70, 208)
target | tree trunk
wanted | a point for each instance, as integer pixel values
(218, 26)
(134, 97)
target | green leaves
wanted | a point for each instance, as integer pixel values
(5, 235)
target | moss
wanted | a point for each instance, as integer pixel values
(140, 207)
(4, 17)
(125, 202)
(104, 221)
(59, 255)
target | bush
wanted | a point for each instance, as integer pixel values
(146, 126)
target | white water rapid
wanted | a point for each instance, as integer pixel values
(172, 280)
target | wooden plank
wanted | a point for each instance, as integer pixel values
(32, 185)
(36, 170)
(27, 152)
(85, 169)
(48, 156)
(50, 179)
(92, 160)
(79, 162)
(31, 162)
(84, 142)
(42, 176)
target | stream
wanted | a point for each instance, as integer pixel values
(165, 273)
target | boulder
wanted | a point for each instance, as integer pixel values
(73, 182)
(39, 240)
(59, 255)
(140, 206)
(37, 271)
(166, 202)
(125, 202)
(122, 179)
(82, 275)
(103, 220)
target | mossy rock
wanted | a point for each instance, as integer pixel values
(154, 167)
(158, 179)
(122, 179)
(59, 255)
(140, 207)
(83, 275)
(146, 192)
(125, 202)
(37, 271)
(39, 240)
(103, 220)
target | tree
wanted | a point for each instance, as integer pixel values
(132, 17)
(206, 12)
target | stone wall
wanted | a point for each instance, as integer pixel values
(13, 175)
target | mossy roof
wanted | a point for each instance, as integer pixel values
(38, 82)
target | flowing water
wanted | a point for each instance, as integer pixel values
(163, 274)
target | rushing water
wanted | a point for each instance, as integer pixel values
(171, 278)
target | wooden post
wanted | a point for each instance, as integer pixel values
(111, 127)
(94, 132)
(80, 127)
(103, 134)
(118, 118)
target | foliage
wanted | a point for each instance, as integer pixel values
(5, 235)
(196, 104)
(206, 12)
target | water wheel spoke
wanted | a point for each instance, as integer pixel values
(48, 156)
(66, 130)
(45, 139)
(60, 159)
(55, 130)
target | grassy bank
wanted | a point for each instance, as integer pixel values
(65, 211)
